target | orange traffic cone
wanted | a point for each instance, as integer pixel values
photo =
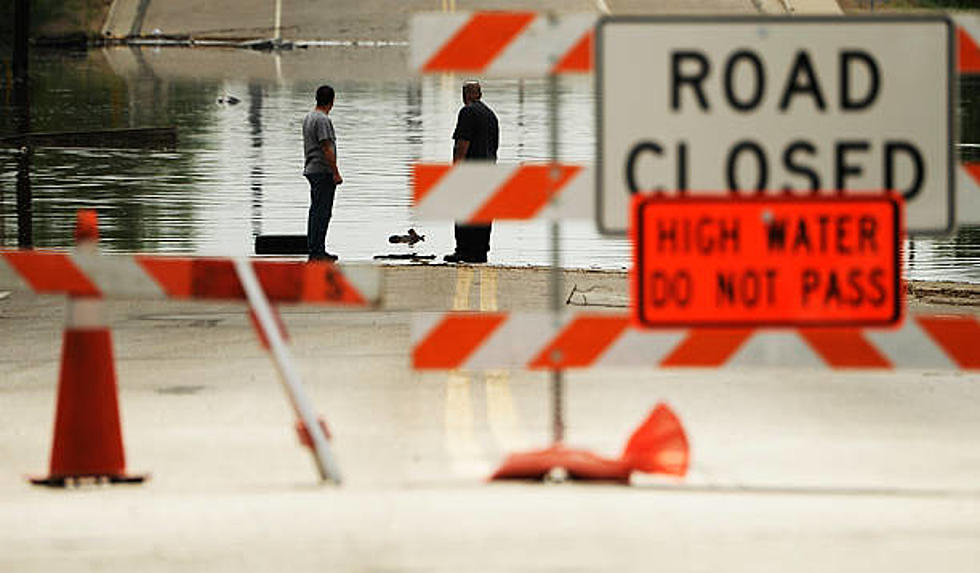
(87, 434)
(658, 445)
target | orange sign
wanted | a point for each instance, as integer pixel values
(815, 261)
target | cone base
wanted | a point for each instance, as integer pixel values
(65, 481)
(580, 465)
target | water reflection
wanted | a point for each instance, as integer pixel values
(256, 175)
(238, 168)
(21, 116)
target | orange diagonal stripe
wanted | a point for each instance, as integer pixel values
(323, 282)
(173, 275)
(581, 342)
(48, 272)
(844, 348)
(973, 170)
(454, 339)
(526, 192)
(707, 347)
(424, 178)
(478, 42)
(959, 337)
(967, 53)
(579, 58)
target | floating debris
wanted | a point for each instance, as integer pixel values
(411, 238)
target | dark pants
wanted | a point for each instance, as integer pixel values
(322, 189)
(473, 241)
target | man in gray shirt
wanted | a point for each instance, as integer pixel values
(320, 148)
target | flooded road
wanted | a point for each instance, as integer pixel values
(237, 170)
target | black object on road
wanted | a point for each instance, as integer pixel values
(411, 238)
(281, 245)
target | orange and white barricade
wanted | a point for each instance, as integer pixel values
(166, 277)
(482, 192)
(88, 437)
(508, 44)
(528, 44)
(476, 341)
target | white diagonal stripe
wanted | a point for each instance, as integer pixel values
(576, 200)
(117, 276)
(514, 343)
(463, 190)
(468, 186)
(541, 45)
(10, 279)
(365, 278)
(642, 348)
(776, 349)
(909, 347)
(430, 32)
(423, 323)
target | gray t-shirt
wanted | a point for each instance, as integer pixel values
(317, 127)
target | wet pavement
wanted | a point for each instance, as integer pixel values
(791, 469)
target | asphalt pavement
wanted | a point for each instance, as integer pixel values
(792, 470)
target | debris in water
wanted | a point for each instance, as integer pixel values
(411, 238)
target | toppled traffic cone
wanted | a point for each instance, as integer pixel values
(659, 445)
(87, 436)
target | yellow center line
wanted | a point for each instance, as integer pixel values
(461, 444)
(501, 414)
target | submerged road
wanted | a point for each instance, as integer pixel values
(382, 20)
(792, 470)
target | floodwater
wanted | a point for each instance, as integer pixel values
(237, 169)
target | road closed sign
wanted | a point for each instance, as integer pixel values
(816, 261)
(782, 107)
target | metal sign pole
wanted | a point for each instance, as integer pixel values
(557, 382)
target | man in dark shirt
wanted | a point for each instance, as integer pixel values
(320, 169)
(476, 138)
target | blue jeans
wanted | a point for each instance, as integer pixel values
(322, 189)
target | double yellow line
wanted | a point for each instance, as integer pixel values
(461, 443)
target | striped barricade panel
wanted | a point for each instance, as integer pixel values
(509, 44)
(529, 44)
(161, 277)
(475, 341)
(481, 192)
(967, 43)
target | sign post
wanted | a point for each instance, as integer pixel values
(763, 106)
(805, 262)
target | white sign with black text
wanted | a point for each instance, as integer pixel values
(776, 106)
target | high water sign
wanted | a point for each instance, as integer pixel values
(803, 261)
(778, 107)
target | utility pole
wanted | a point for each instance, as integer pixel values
(22, 111)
